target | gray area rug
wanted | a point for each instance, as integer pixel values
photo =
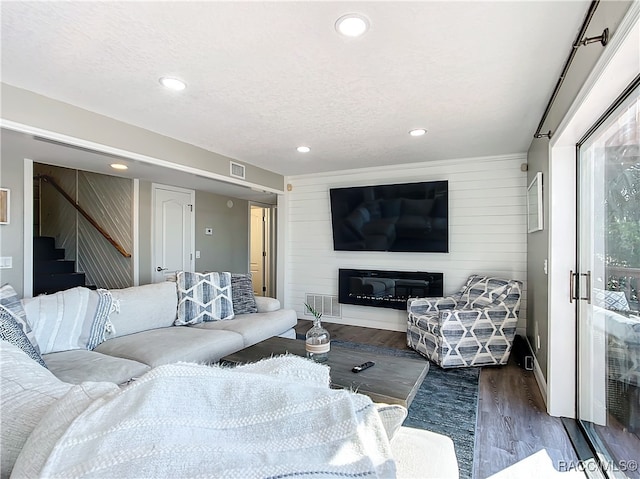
(446, 403)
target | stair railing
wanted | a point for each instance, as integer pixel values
(74, 203)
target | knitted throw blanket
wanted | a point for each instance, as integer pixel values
(273, 419)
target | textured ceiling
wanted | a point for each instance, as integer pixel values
(265, 77)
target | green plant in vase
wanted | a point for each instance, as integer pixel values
(318, 340)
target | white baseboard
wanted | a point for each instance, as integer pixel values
(538, 374)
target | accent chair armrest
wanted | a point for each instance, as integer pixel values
(266, 304)
(498, 309)
(420, 306)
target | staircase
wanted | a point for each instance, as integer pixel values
(51, 272)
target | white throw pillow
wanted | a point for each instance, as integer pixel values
(203, 297)
(72, 319)
(27, 390)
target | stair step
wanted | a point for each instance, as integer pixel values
(44, 248)
(53, 266)
(52, 283)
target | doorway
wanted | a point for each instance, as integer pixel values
(261, 254)
(173, 231)
(607, 285)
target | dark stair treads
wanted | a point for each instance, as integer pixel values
(54, 266)
(51, 272)
(51, 283)
(44, 248)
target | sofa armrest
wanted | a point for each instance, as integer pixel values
(425, 454)
(421, 306)
(266, 304)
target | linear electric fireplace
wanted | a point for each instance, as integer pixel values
(386, 289)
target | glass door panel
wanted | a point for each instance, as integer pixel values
(608, 286)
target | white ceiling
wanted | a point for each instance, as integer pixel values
(266, 77)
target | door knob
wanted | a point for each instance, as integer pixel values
(158, 269)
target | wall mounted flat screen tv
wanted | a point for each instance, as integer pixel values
(408, 217)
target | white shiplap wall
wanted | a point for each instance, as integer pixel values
(487, 232)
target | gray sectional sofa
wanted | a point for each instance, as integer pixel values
(141, 333)
(100, 340)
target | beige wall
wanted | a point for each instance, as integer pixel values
(608, 14)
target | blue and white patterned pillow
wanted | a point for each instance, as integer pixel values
(243, 298)
(12, 332)
(203, 297)
(612, 300)
(10, 303)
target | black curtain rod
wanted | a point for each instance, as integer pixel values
(574, 48)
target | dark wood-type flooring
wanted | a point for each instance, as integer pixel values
(512, 421)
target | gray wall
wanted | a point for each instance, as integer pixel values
(537, 253)
(11, 235)
(144, 227)
(228, 248)
(608, 14)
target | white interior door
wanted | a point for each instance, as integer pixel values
(173, 231)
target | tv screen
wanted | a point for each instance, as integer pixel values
(403, 217)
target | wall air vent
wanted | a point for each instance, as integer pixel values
(236, 170)
(325, 304)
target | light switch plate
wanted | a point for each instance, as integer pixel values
(6, 262)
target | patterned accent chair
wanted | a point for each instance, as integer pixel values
(474, 327)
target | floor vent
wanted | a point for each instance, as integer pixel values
(322, 303)
(237, 170)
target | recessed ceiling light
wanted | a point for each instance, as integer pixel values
(418, 132)
(352, 25)
(303, 149)
(119, 166)
(173, 83)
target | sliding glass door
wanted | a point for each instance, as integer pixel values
(608, 287)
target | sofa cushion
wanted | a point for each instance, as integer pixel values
(177, 343)
(424, 454)
(10, 303)
(203, 297)
(79, 365)
(255, 327)
(13, 333)
(144, 307)
(242, 294)
(27, 390)
(266, 304)
(71, 319)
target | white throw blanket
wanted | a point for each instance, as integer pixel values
(276, 419)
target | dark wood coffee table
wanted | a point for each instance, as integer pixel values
(393, 380)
